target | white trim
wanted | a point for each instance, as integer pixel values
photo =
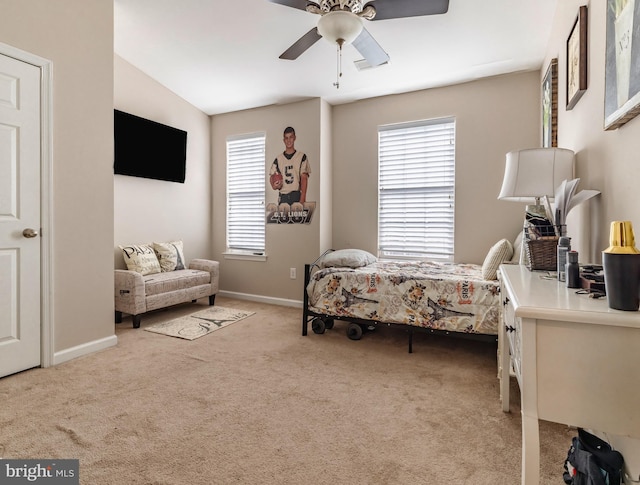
(46, 197)
(84, 349)
(245, 256)
(46, 215)
(261, 299)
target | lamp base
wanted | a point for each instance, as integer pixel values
(536, 210)
(538, 223)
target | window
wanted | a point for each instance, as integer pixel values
(416, 180)
(245, 193)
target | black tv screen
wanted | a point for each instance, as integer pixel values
(145, 148)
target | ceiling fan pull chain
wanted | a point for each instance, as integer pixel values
(339, 65)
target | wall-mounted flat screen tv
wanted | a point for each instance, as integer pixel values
(145, 148)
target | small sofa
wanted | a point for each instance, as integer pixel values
(137, 293)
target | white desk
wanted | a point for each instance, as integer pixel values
(577, 362)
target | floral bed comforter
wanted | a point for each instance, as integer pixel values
(444, 296)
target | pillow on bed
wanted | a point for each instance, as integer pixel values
(348, 258)
(499, 253)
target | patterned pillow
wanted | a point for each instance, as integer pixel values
(499, 253)
(170, 255)
(141, 259)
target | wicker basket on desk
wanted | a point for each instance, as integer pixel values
(542, 254)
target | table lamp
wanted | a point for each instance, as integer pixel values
(535, 173)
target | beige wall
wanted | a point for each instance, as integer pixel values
(493, 116)
(287, 246)
(147, 210)
(77, 36)
(605, 160)
(326, 175)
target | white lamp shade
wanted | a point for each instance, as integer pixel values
(535, 173)
(340, 24)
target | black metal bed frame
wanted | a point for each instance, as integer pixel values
(320, 321)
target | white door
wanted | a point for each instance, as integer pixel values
(19, 216)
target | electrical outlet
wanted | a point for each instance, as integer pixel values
(292, 273)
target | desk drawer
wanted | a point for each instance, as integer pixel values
(513, 326)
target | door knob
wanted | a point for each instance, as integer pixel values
(29, 233)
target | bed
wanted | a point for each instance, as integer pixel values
(438, 297)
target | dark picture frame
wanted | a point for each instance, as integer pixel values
(550, 106)
(577, 59)
(622, 63)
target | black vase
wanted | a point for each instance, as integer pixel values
(622, 280)
(621, 264)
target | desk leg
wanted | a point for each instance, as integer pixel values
(505, 364)
(530, 451)
(529, 403)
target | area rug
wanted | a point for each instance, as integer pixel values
(191, 327)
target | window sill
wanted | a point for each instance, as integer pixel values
(245, 256)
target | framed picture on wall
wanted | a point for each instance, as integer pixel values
(577, 59)
(622, 63)
(288, 176)
(550, 105)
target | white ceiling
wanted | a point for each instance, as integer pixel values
(222, 55)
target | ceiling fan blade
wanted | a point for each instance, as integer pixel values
(395, 9)
(299, 4)
(301, 45)
(370, 49)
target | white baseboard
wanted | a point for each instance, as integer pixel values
(96, 345)
(261, 299)
(84, 349)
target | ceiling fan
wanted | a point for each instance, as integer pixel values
(341, 23)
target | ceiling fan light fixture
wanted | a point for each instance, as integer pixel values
(314, 8)
(340, 25)
(354, 6)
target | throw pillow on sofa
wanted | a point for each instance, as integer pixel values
(170, 255)
(140, 258)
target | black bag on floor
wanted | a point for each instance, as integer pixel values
(591, 461)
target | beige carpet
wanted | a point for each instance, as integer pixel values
(199, 324)
(259, 404)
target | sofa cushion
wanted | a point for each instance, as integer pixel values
(140, 258)
(170, 255)
(165, 282)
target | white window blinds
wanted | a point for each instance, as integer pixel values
(416, 181)
(245, 193)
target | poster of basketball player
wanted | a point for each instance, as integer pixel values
(289, 178)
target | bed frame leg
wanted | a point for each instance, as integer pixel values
(305, 300)
(411, 340)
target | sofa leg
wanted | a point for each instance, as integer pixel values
(212, 298)
(136, 320)
(118, 317)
